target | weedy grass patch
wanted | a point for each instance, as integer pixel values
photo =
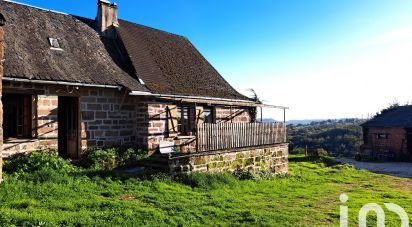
(35, 193)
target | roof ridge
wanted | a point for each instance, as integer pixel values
(36, 7)
(152, 28)
(67, 14)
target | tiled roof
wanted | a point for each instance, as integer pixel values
(400, 117)
(84, 57)
(167, 63)
(170, 64)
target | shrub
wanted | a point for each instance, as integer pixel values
(248, 175)
(245, 175)
(112, 158)
(298, 150)
(321, 152)
(129, 156)
(37, 161)
(101, 159)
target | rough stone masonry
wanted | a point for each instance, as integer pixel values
(2, 21)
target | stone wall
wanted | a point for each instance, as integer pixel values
(272, 158)
(395, 142)
(234, 114)
(1, 107)
(46, 127)
(108, 116)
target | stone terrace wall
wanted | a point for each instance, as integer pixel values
(268, 158)
(236, 115)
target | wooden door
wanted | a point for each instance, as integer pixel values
(69, 127)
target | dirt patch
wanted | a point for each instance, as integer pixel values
(127, 197)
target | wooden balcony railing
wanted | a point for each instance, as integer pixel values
(224, 136)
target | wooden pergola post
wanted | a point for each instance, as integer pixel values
(284, 125)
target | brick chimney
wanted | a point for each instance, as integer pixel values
(2, 22)
(107, 19)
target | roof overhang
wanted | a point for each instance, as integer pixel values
(52, 82)
(206, 100)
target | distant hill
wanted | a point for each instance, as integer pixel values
(315, 121)
(268, 120)
(303, 122)
(337, 136)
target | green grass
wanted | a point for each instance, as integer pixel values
(308, 196)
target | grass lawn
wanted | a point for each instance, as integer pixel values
(308, 196)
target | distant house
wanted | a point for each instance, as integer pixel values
(389, 135)
(72, 83)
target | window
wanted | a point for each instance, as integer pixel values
(208, 115)
(184, 119)
(382, 136)
(17, 116)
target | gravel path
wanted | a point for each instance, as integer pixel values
(400, 169)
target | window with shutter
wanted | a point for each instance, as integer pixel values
(17, 112)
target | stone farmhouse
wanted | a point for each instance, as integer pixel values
(389, 135)
(72, 83)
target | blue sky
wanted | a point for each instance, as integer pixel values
(322, 58)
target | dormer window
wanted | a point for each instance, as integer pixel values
(54, 44)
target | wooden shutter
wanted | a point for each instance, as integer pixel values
(172, 120)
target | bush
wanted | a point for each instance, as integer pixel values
(112, 158)
(37, 161)
(39, 166)
(321, 152)
(298, 150)
(100, 159)
(248, 175)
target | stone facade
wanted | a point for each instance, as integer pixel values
(1, 106)
(234, 114)
(46, 127)
(395, 141)
(272, 158)
(111, 117)
(107, 117)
